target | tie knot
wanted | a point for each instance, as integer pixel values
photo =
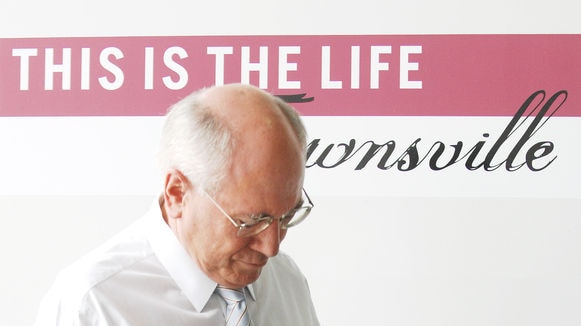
(236, 310)
(230, 295)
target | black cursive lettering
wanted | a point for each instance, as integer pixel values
(334, 155)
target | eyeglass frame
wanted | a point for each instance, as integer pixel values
(266, 220)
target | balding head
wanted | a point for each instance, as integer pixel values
(214, 129)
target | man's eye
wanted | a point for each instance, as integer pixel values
(288, 217)
(252, 220)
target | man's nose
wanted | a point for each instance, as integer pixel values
(268, 241)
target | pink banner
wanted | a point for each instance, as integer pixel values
(371, 75)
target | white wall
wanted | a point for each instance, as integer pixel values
(464, 256)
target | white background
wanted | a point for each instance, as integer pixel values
(448, 248)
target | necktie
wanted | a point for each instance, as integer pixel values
(236, 310)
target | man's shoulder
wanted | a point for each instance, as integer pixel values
(72, 287)
(118, 254)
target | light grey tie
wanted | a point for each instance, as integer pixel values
(236, 310)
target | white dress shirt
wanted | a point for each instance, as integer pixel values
(143, 276)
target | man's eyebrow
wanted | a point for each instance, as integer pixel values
(300, 203)
(259, 215)
(297, 206)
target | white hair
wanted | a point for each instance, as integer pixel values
(195, 142)
(199, 145)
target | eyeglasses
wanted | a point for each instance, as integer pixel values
(252, 225)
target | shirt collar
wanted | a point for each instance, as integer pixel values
(196, 285)
(250, 289)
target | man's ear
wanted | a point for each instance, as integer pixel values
(175, 188)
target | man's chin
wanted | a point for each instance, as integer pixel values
(248, 273)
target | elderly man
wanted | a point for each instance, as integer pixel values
(207, 253)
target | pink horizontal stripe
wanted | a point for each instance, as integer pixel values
(460, 75)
